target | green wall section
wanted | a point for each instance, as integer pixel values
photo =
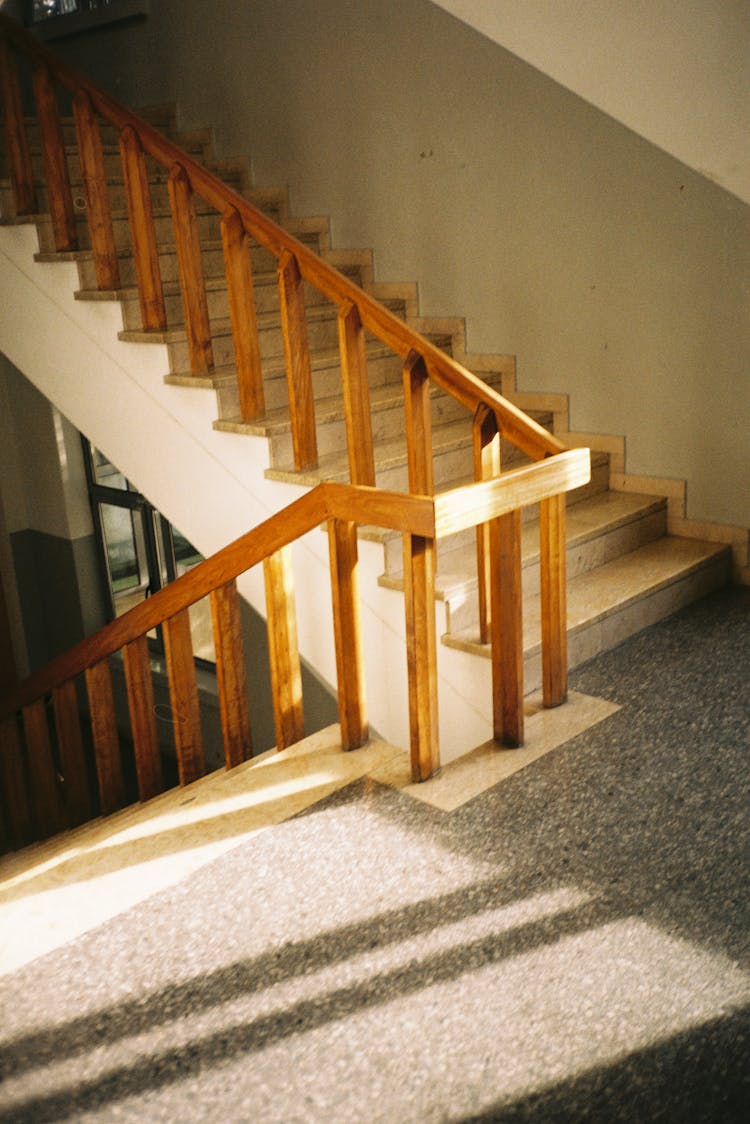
(58, 587)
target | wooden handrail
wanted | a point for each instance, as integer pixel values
(445, 371)
(326, 501)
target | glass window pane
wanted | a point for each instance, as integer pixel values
(201, 628)
(106, 473)
(126, 563)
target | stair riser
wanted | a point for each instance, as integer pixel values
(581, 558)
(603, 635)
(165, 123)
(326, 383)
(387, 421)
(266, 301)
(112, 164)
(322, 334)
(118, 199)
(208, 227)
(262, 261)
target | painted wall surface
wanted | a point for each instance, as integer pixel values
(676, 72)
(612, 271)
(49, 555)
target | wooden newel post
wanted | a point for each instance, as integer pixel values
(230, 675)
(286, 672)
(356, 396)
(142, 231)
(419, 580)
(21, 172)
(71, 753)
(14, 798)
(190, 267)
(106, 737)
(298, 370)
(487, 465)
(183, 694)
(507, 629)
(342, 542)
(242, 313)
(97, 196)
(554, 601)
(60, 197)
(140, 690)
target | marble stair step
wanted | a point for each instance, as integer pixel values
(265, 289)
(464, 542)
(452, 461)
(608, 604)
(383, 366)
(212, 255)
(387, 419)
(598, 529)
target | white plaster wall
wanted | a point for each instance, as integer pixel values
(610, 269)
(677, 72)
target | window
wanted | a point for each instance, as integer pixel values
(54, 19)
(139, 550)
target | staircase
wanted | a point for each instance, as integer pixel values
(625, 569)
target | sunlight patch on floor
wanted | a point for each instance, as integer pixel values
(489, 764)
(56, 891)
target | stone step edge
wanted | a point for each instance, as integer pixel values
(458, 584)
(707, 555)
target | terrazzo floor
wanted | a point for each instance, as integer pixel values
(569, 944)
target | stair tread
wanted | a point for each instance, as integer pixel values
(274, 367)
(585, 521)
(601, 592)
(384, 397)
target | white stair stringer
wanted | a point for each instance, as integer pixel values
(212, 485)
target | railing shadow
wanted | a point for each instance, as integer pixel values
(558, 914)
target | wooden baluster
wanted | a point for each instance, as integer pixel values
(19, 828)
(230, 675)
(419, 576)
(421, 655)
(507, 629)
(487, 465)
(242, 313)
(342, 543)
(72, 759)
(94, 178)
(21, 172)
(552, 549)
(356, 396)
(190, 266)
(44, 790)
(106, 737)
(298, 371)
(60, 197)
(286, 673)
(142, 231)
(145, 735)
(183, 693)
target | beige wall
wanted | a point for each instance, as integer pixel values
(610, 269)
(677, 73)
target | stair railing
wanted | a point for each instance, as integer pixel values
(358, 312)
(43, 775)
(494, 417)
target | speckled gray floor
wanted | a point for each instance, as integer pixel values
(572, 945)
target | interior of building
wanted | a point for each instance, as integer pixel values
(561, 203)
